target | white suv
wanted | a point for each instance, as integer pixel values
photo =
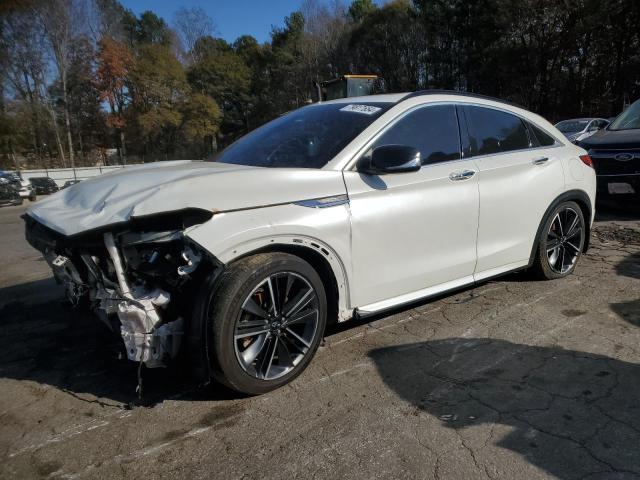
(339, 209)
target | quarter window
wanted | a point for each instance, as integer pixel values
(433, 130)
(542, 137)
(493, 131)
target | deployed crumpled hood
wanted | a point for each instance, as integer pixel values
(170, 186)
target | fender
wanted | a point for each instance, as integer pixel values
(579, 196)
(272, 242)
(325, 231)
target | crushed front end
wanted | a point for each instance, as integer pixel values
(139, 277)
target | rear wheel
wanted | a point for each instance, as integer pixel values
(561, 242)
(268, 317)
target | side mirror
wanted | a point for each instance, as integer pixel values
(391, 159)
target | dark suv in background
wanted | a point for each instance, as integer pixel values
(44, 185)
(615, 152)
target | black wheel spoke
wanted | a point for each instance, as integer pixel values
(273, 295)
(553, 244)
(577, 231)
(292, 343)
(298, 302)
(298, 337)
(267, 355)
(253, 308)
(301, 316)
(572, 246)
(573, 225)
(284, 358)
(252, 331)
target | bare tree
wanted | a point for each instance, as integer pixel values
(23, 43)
(324, 25)
(191, 24)
(63, 20)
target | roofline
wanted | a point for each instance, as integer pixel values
(420, 93)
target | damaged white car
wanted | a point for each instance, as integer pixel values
(339, 209)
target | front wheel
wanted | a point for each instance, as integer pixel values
(268, 317)
(561, 242)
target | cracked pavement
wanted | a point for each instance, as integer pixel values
(513, 378)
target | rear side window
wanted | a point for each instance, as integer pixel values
(540, 137)
(433, 130)
(494, 131)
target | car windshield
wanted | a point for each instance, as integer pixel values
(305, 138)
(569, 126)
(629, 119)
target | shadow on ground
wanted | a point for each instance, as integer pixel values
(569, 413)
(44, 340)
(617, 207)
(629, 266)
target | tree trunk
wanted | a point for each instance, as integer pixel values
(57, 135)
(84, 163)
(16, 164)
(123, 151)
(67, 121)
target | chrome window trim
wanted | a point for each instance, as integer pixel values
(351, 164)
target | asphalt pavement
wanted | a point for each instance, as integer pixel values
(514, 378)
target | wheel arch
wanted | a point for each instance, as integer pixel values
(320, 256)
(584, 202)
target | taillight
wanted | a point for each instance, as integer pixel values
(586, 159)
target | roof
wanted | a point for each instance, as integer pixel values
(398, 97)
(420, 93)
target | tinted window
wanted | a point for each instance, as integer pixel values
(572, 126)
(629, 119)
(542, 137)
(432, 130)
(494, 131)
(305, 138)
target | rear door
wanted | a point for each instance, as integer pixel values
(520, 175)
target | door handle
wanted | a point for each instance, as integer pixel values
(540, 160)
(461, 175)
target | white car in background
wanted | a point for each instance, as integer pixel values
(27, 191)
(337, 210)
(577, 129)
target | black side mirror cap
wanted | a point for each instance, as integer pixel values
(391, 159)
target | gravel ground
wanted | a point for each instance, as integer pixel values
(511, 379)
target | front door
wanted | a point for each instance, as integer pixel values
(412, 231)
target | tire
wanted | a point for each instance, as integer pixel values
(285, 342)
(561, 242)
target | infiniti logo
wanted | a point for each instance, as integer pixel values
(624, 157)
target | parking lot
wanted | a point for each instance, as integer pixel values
(514, 378)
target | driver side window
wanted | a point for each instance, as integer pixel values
(432, 129)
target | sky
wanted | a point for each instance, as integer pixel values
(232, 17)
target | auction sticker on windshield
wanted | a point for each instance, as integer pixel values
(365, 109)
